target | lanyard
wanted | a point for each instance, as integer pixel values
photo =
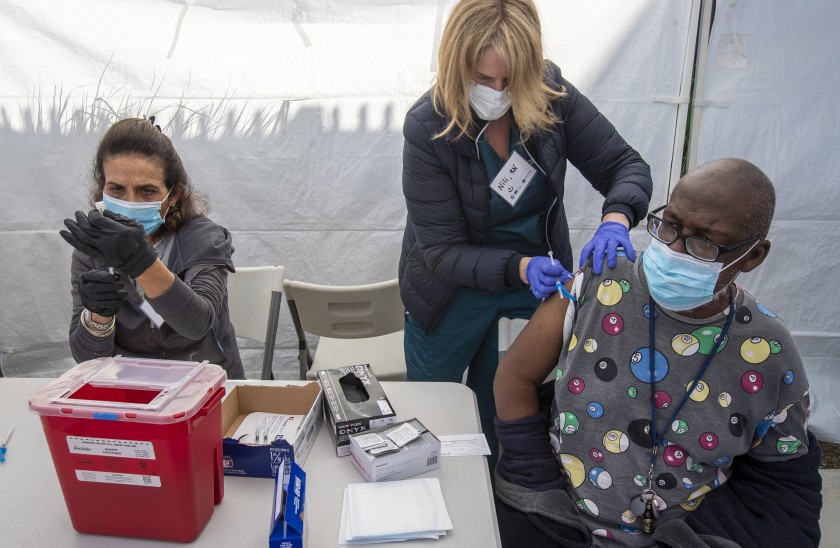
(648, 494)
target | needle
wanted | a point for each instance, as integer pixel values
(5, 442)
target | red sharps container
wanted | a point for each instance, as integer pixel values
(137, 445)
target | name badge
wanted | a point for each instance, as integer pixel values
(513, 178)
(151, 314)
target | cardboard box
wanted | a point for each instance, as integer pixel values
(353, 402)
(244, 459)
(415, 457)
(287, 519)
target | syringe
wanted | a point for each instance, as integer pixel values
(100, 207)
(561, 288)
(5, 442)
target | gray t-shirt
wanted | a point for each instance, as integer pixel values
(752, 399)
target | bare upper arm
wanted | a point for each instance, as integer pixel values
(536, 350)
(530, 359)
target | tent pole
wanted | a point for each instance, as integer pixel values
(699, 80)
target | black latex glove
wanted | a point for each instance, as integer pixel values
(112, 239)
(102, 292)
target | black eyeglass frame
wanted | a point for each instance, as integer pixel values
(721, 249)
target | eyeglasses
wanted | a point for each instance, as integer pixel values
(699, 248)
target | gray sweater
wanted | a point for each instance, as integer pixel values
(195, 309)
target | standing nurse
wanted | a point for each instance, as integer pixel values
(483, 168)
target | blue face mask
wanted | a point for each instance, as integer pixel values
(678, 281)
(145, 213)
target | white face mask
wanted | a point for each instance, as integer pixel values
(488, 103)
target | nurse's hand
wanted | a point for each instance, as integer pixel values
(544, 274)
(101, 292)
(112, 239)
(609, 237)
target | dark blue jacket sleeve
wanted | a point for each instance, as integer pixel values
(766, 503)
(436, 213)
(600, 153)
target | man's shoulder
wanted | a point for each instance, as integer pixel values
(624, 270)
(616, 288)
(761, 323)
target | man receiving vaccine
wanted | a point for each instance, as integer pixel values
(671, 382)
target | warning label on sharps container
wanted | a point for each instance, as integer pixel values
(111, 477)
(111, 448)
(124, 462)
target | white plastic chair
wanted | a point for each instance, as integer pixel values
(356, 324)
(254, 295)
(509, 329)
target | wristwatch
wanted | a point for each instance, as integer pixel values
(95, 328)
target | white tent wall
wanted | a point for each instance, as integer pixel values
(288, 116)
(770, 96)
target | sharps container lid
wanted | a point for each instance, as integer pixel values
(135, 389)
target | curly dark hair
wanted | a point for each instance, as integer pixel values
(140, 136)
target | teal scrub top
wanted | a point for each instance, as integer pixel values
(520, 228)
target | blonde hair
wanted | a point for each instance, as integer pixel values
(512, 28)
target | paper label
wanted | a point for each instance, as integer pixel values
(121, 479)
(403, 434)
(384, 407)
(375, 424)
(124, 462)
(111, 448)
(150, 313)
(367, 441)
(463, 445)
(513, 178)
(143, 467)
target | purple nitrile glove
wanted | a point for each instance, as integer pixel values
(607, 239)
(543, 275)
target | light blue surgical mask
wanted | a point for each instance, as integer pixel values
(145, 213)
(678, 281)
